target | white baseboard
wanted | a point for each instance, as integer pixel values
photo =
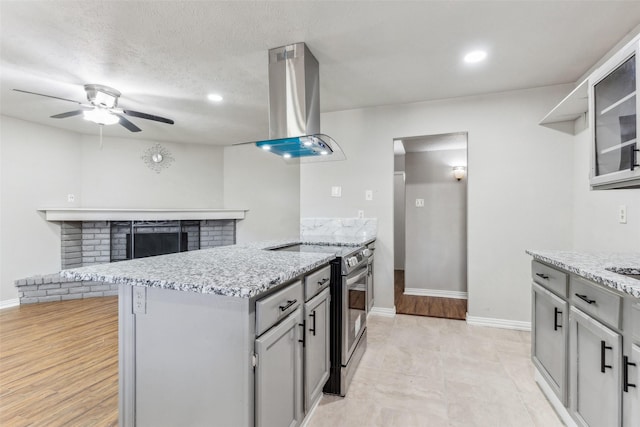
(499, 323)
(385, 312)
(561, 411)
(435, 293)
(9, 303)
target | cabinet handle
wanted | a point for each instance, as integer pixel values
(303, 334)
(313, 328)
(555, 318)
(633, 158)
(543, 276)
(323, 281)
(625, 375)
(289, 303)
(585, 299)
(603, 348)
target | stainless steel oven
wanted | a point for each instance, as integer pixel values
(348, 311)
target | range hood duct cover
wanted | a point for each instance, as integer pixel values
(294, 107)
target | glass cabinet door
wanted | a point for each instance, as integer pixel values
(615, 119)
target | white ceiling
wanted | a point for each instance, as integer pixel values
(446, 141)
(165, 57)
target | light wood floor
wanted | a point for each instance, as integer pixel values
(448, 308)
(59, 364)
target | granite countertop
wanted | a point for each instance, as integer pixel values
(596, 267)
(242, 271)
(234, 271)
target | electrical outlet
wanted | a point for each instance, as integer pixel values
(336, 191)
(71, 198)
(419, 203)
(368, 195)
(360, 214)
(139, 300)
(622, 214)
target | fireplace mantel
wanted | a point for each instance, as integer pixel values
(109, 214)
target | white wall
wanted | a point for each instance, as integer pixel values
(40, 166)
(595, 216)
(520, 186)
(436, 234)
(116, 176)
(268, 187)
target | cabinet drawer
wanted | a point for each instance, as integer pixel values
(635, 322)
(316, 282)
(596, 301)
(550, 278)
(275, 307)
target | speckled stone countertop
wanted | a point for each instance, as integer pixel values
(235, 271)
(597, 266)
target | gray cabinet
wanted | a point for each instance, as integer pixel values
(316, 352)
(549, 339)
(595, 372)
(631, 387)
(278, 374)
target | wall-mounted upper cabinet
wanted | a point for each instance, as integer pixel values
(613, 106)
(573, 106)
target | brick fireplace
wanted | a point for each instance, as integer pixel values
(86, 243)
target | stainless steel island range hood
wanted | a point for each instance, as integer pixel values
(294, 108)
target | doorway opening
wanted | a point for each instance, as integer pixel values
(430, 225)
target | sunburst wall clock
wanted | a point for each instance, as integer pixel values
(157, 158)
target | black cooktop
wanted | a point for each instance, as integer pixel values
(339, 251)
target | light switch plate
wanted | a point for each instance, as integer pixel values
(336, 191)
(71, 198)
(360, 214)
(419, 203)
(368, 195)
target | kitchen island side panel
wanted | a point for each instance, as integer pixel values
(191, 359)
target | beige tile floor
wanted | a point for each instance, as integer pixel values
(424, 371)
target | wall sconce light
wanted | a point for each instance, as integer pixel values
(459, 172)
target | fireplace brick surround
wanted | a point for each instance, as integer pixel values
(86, 243)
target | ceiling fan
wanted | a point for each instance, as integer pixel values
(103, 108)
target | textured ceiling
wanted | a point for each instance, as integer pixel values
(165, 57)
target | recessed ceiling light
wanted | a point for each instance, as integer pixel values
(214, 97)
(475, 56)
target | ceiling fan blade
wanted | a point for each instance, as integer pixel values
(147, 116)
(126, 123)
(48, 96)
(67, 114)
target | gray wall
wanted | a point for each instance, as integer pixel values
(436, 234)
(268, 187)
(506, 147)
(399, 230)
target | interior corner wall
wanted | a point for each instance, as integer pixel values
(595, 217)
(399, 217)
(519, 189)
(40, 165)
(116, 175)
(268, 188)
(436, 233)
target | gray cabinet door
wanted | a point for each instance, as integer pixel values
(278, 376)
(631, 397)
(549, 339)
(595, 364)
(316, 352)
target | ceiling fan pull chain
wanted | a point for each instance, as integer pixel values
(101, 136)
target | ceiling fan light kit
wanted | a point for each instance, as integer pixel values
(103, 108)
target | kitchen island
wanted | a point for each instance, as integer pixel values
(586, 335)
(214, 337)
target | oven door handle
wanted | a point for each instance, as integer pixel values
(352, 280)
